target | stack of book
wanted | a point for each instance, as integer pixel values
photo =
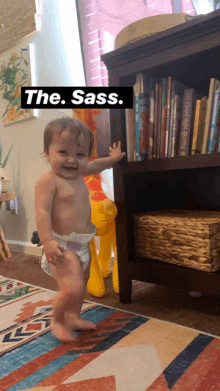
(169, 119)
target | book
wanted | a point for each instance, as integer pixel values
(169, 82)
(159, 127)
(151, 118)
(178, 91)
(213, 136)
(130, 133)
(156, 122)
(199, 125)
(144, 116)
(189, 99)
(196, 126)
(214, 84)
(217, 134)
(137, 91)
(217, 143)
(174, 126)
(163, 116)
(179, 114)
(172, 98)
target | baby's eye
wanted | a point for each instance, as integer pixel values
(62, 151)
(81, 154)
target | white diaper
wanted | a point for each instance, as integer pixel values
(77, 243)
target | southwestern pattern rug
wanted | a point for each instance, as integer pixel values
(127, 352)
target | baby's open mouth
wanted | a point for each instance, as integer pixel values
(69, 168)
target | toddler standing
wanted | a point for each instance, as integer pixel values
(63, 218)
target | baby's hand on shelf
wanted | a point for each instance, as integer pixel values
(115, 152)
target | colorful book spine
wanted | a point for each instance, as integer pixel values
(174, 131)
(199, 126)
(214, 121)
(186, 122)
(141, 90)
(214, 84)
(196, 126)
(156, 119)
(163, 116)
(144, 117)
(159, 129)
(216, 138)
(130, 133)
(176, 115)
(217, 144)
(137, 91)
(151, 118)
(169, 154)
(169, 82)
(178, 124)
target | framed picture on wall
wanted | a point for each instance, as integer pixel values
(15, 72)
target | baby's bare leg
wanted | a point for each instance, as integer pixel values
(73, 318)
(71, 283)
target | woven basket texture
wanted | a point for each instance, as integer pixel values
(182, 237)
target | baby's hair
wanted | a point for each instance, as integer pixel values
(57, 126)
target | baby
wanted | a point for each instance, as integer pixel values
(63, 218)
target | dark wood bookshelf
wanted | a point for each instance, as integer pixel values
(177, 163)
(190, 53)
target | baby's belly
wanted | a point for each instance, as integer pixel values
(65, 220)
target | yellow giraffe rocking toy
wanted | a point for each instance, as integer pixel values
(103, 214)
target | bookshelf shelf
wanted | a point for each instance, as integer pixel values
(174, 163)
(189, 53)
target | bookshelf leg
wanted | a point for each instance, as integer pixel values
(125, 288)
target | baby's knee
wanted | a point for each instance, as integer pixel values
(72, 289)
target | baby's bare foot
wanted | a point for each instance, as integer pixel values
(62, 332)
(79, 323)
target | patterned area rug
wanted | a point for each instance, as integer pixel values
(127, 352)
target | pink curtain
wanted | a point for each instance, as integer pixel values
(188, 7)
(114, 15)
(98, 16)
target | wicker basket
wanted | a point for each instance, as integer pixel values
(187, 238)
(148, 26)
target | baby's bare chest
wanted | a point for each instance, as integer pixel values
(71, 210)
(71, 194)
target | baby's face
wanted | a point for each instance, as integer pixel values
(67, 159)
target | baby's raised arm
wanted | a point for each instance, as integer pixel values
(44, 193)
(101, 164)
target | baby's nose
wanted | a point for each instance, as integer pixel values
(71, 159)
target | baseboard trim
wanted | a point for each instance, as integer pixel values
(24, 247)
(32, 249)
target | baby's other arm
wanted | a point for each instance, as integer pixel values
(102, 164)
(44, 193)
